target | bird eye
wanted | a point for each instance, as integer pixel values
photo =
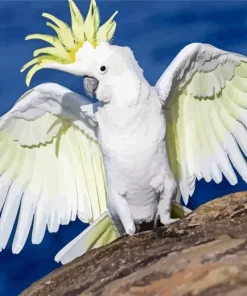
(103, 69)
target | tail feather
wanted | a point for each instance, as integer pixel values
(179, 211)
(98, 234)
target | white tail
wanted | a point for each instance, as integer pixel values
(98, 234)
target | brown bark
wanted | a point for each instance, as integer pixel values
(203, 254)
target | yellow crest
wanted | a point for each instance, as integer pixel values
(69, 40)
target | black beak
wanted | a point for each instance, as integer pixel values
(90, 85)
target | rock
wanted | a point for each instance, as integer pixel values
(203, 254)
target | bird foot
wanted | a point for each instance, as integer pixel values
(168, 220)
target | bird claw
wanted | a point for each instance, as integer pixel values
(167, 220)
(131, 230)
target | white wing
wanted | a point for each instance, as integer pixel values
(205, 94)
(50, 164)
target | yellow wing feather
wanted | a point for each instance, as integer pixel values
(56, 187)
(206, 133)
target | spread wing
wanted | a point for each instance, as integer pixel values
(51, 168)
(205, 94)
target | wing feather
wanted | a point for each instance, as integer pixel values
(9, 213)
(5, 184)
(28, 205)
(205, 90)
(51, 167)
(41, 214)
(85, 153)
(221, 153)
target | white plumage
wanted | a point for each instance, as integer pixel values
(205, 95)
(202, 97)
(51, 165)
(121, 161)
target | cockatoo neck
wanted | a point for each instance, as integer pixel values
(127, 118)
(127, 90)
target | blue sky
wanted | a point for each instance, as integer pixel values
(156, 32)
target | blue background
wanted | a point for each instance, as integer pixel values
(156, 32)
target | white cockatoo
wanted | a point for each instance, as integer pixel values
(123, 160)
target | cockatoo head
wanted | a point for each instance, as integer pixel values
(85, 50)
(107, 70)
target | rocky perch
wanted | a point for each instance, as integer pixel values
(203, 254)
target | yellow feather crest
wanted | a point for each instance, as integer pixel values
(69, 40)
